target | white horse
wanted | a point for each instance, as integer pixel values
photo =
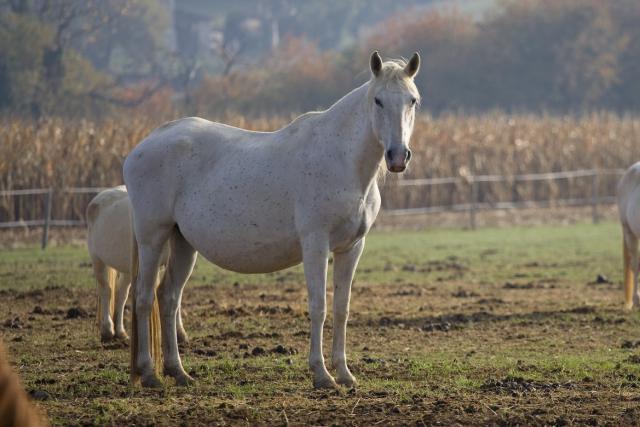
(257, 202)
(108, 239)
(629, 210)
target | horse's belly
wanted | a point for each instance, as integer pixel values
(255, 257)
(243, 243)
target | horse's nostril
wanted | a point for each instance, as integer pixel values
(389, 154)
(408, 155)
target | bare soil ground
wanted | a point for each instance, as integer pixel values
(498, 326)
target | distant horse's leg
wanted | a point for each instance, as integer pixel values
(179, 268)
(344, 267)
(182, 334)
(315, 253)
(631, 268)
(122, 293)
(149, 261)
(104, 299)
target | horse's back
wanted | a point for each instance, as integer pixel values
(629, 199)
(109, 223)
(175, 155)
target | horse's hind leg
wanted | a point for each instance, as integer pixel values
(344, 267)
(149, 252)
(179, 268)
(122, 293)
(104, 300)
(183, 338)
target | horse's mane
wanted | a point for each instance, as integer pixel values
(15, 408)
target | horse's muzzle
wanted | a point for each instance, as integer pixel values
(397, 159)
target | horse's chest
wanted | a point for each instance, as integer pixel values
(353, 226)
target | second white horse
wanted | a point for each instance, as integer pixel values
(629, 211)
(109, 239)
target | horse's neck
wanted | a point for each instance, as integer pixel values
(348, 120)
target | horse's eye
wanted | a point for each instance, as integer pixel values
(413, 101)
(378, 102)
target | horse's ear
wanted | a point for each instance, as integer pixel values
(376, 63)
(413, 65)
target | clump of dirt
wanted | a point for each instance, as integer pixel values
(585, 309)
(76, 313)
(369, 359)
(406, 293)
(204, 352)
(261, 351)
(39, 395)
(39, 310)
(528, 285)
(265, 309)
(634, 358)
(280, 349)
(450, 264)
(601, 280)
(430, 327)
(461, 293)
(609, 321)
(517, 386)
(490, 301)
(234, 311)
(13, 323)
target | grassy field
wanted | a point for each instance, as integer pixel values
(500, 326)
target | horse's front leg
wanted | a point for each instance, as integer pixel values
(344, 267)
(315, 253)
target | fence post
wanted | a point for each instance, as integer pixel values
(47, 218)
(594, 196)
(473, 202)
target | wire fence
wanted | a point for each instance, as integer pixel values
(473, 204)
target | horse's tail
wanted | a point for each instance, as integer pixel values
(15, 408)
(112, 277)
(154, 320)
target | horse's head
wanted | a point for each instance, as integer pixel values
(393, 97)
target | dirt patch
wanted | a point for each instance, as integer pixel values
(518, 386)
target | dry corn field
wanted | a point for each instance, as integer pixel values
(60, 154)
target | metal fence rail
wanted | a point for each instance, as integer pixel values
(472, 206)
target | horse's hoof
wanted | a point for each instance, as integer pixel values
(106, 337)
(184, 380)
(183, 338)
(325, 383)
(347, 381)
(151, 381)
(122, 336)
(179, 375)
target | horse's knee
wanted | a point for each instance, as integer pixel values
(341, 316)
(317, 311)
(144, 303)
